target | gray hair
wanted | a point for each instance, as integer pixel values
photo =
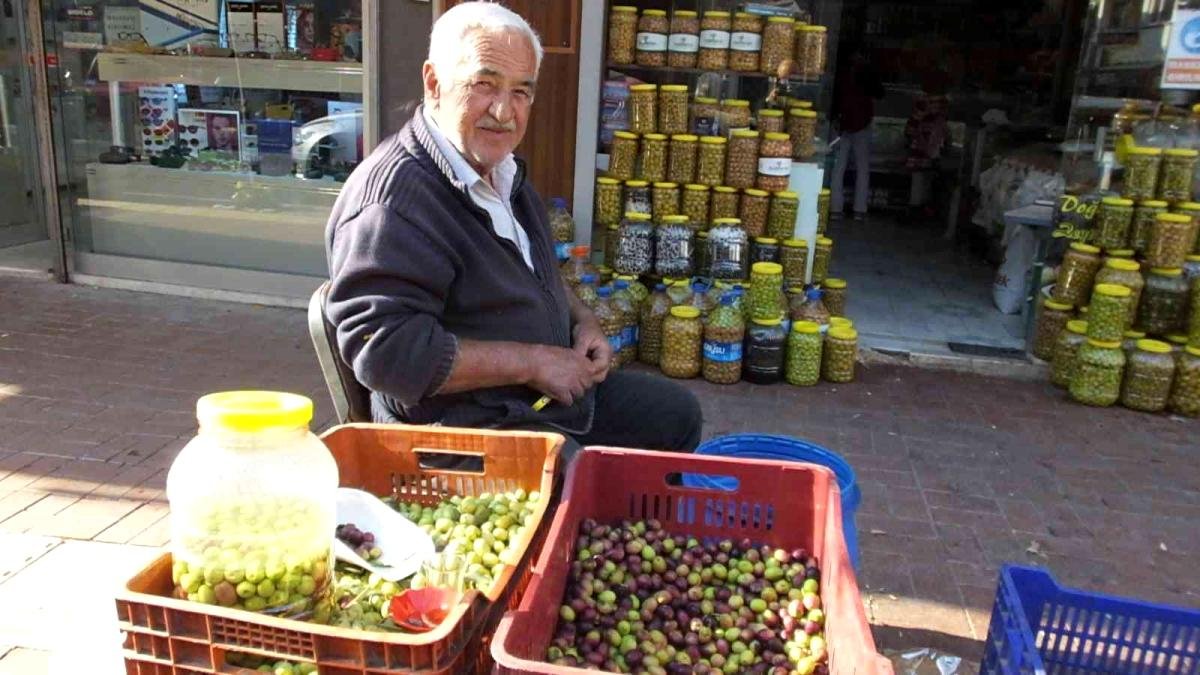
(453, 26)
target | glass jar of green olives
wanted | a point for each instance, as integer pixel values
(683, 335)
(710, 161)
(766, 291)
(1175, 177)
(652, 31)
(693, 203)
(821, 257)
(823, 198)
(723, 337)
(1141, 172)
(253, 500)
(637, 197)
(652, 163)
(673, 109)
(643, 108)
(1144, 215)
(1076, 274)
(753, 209)
(1066, 350)
(781, 218)
(735, 114)
(714, 41)
(683, 44)
(1108, 312)
(1164, 303)
(1112, 222)
(764, 249)
(725, 202)
(622, 159)
(766, 345)
(1051, 322)
(1125, 273)
(840, 353)
(681, 168)
(741, 162)
(1171, 240)
(834, 296)
(1149, 372)
(769, 120)
(650, 325)
(774, 162)
(1098, 372)
(810, 50)
(794, 258)
(664, 201)
(802, 127)
(778, 43)
(804, 354)
(622, 34)
(1185, 392)
(745, 42)
(728, 249)
(609, 205)
(673, 247)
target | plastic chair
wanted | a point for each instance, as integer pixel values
(351, 400)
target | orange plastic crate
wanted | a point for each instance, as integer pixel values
(167, 635)
(783, 504)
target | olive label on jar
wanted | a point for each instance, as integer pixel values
(745, 42)
(629, 335)
(1073, 219)
(714, 39)
(683, 42)
(722, 352)
(775, 166)
(651, 42)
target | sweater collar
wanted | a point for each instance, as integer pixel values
(420, 141)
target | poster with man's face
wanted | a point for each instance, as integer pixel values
(223, 132)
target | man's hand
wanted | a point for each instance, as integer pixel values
(591, 342)
(561, 374)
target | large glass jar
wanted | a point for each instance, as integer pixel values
(1144, 215)
(673, 109)
(652, 32)
(609, 205)
(766, 291)
(673, 247)
(1164, 305)
(1066, 350)
(725, 202)
(635, 245)
(622, 33)
(622, 160)
(834, 296)
(1051, 322)
(1185, 392)
(741, 164)
(684, 42)
(1112, 222)
(821, 257)
(752, 209)
(723, 337)
(650, 325)
(1171, 240)
(804, 354)
(823, 198)
(728, 249)
(683, 335)
(766, 345)
(664, 201)
(778, 43)
(1076, 274)
(840, 353)
(253, 502)
(794, 258)
(1175, 177)
(710, 161)
(694, 205)
(1108, 312)
(735, 114)
(774, 162)
(643, 108)
(769, 120)
(637, 197)
(705, 116)
(653, 160)
(810, 51)
(781, 219)
(1125, 273)
(714, 41)
(681, 167)
(1141, 172)
(802, 127)
(745, 42)
(764, 249)
(1099, 369)
(1149, 372)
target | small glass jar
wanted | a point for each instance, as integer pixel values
(683, 335)
(1171, 240)
(1164, 305)
(774, 162)
(728, 249)
(1144, 215)
(810, 51)
(681, 167)
(794, 258)
(766, 345)
(683, 45)
(1185, 391)
(840, 354)
(622, 34)
(821, 257)
(664, 201)
(769, 121)
(1066, 351)
(1076, 274)
(745, 42)
(673, 250)
(612, 234)
(635, 245)
(637, 197)
(609, 203)
(802, 127)
(1051, 323)
(1108, 312)
(705, 114)
(652, 31)
(1141, 172)
(753, 209)
(694, 205)
(1175, 176)
(778, 43)
(643, 108)
(1100, 366)
(741, 162)
(710, 161)
(724, 333)
(804, 354)
(781, 218)
(1112, 222)
(673, 109)
(834, 296)
(766, 291)
(735, 114)
(764, 249)
(1125, 273)
(652, 164)
(823, 199)
(1149, 372)
(714, 41)
(622, 159)
(725, 203)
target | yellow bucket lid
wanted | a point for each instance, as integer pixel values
(643, 87)
(826, 191)
(654, 12)
(1177, 338)
(736, 102)
(727, 221)
(806, 327)
(824, 241)
(1113, 290)
(636, 216)
(1194, 351)
(1166, 271)
(673, 87)
(1134, 335)
(745, 133)
(686, 13)
(1121, 253)
(623, 8)
(627, 135)
(780, 19)
(254, 411)
(802, 112)
(716, 14)
(636, 183)
(685, 312)
(655, 137)
(605, 180)
(1187, 206)
(725, 189)
(766, 241)
(1181, 152)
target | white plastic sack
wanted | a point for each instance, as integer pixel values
(1008, 288)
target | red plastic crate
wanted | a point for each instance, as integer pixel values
(167, 635)
(783, 504)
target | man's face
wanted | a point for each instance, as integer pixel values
(224, 133)
(483, 104)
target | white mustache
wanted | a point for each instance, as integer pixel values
(497, 126)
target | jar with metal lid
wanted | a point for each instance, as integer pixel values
(728, 249)
(635, 245)
(735, 114)
(804, 354)
(1099, 369)
(622, 33)
(710, 161)
(724, 203)
(794, 258)
(1175, 177)
(741, 163)
(705, 116)
(1185, 391)
(1076, 274)
(1144, 215)
(781, 218)
(652, 30)
(650, 325)
(802, 127)
(664, 201)
(1171, 240)
(823, 198)
(1125, 273)
(1164, 305)
(834, 296)
(681, 166)
(778, 43)
(714, 41)
(683, 335)
(637, 197)
(723, 336)
(622, 159)
(840, 354)
(652, 164)
(752, 209)
(609, 202)
(1112, 222)
(1141, 172)
(1066, 351)
(1149, 372)
(821, 257)
(612, 234)
(810, 50)
(694, 205)
(774, 162)
(1108, 312)
(769, 120)
(1050, 324)
(673, 109)
(683, 44)
(745, 42)
(673, 247)
(766, 290)
(701, 263)
(766, 345)
(643, 108)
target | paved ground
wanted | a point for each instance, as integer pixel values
(959, 473)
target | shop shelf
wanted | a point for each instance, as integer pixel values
(667, 70)
(163, 634)
(321, 76)
(784, 504)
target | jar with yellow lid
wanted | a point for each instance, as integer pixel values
(643, 108)
(1149, 372)
(1125, 273)
(622, 159)
(834, 295)
(1171, 240)
(1141, 172)
(840, 321)
(728, 249)
(821, 257)
(804, 354)
(724, 334)
(1191, 210)
(1112, 222)
(681, 163)
(725, 202)
(683, 335)
(714, 41)
(673, 109)
(710, 161)
(1099, 370)
(1108, 312)
(1175, 177)
(735, 114)
(253, 506)
(741, 163)
(652, 163)
(1077, 274)
(769, 120)
(1066, 351)
(1185, 391)
(840, 354)
(673, 247)
(778, 43)
(622, 34)
(652, 31)
(1144, 214)
(1051, 322)
(810, 50)
(766, 291)
(823, 198)
(781, 219)
(683, 44)
(609, 203)
(774, 162)
(802, 127)
(764, 249)
(635, 245)
(753, 209)
(664, 201)
(1164, 305)
(693, 204)
(637, 197)
(745, 42)
(705, 116)
(794, 258)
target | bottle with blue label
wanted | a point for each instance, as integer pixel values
(611, 321)
(624, 303)
(562, 226)
(723, 336)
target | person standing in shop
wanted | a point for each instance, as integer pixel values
(856, 88)
(444, 287)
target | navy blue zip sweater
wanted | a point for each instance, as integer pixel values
(414, 265)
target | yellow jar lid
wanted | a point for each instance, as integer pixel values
(636, 216)
(1084, 309)
(824, 241)
(627, 135)
(781, 19)
(702, 235)
(685, 138)
(623, 8)
(1192, 257)
(1166, 271)
(1178, 339)
(696, 187)
(1122, 264)
(745, 133)
(767, 268)
(755, 192)
(1121, 253)
(1181, 152)
(643, 87)
(766, 241)
(665, 185)
(1154, 204)
(685, 13)
(724, 189)
(1103, 344)
(1056, 306)
(673, 87)
(713, 140)
(736, 102)
(1085, 248)
(604, 269)
(675, 218)
(1188, 206)
(654, 12)
(614, 227)
(1194, 351)
(802, 112)
(842, 333)
(826, 192)
(1077, 326)
(806, 327)
(809, 28)
(1133, 335)
(727, 221)
(685, 312)
(605, 180)
(636, 183)
(831, 282)
(786, 194)
(704, 100)
(1115, 201)
(799, 104)
(1173, 218)
(1144, 150)
(1113, 290)
(795, 243)
(767, 322)
(744, 15)
(840, 322)
(655, 137)
(776, 136)
(716, 14)
(770, 112)
(253, 411)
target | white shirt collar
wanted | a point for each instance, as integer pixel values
(502, 175)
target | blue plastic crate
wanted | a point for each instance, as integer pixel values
(1039, 627)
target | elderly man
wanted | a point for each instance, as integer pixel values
(445, 289)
